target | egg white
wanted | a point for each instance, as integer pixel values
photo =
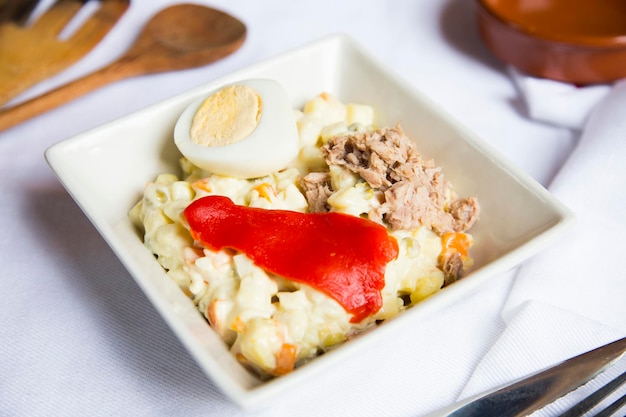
(271, 146)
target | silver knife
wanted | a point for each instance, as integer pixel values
(529, 394)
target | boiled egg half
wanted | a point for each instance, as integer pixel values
(244, 130)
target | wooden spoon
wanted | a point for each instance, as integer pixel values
(178, 37)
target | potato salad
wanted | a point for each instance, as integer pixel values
(274, 320)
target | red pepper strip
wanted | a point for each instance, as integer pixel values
(341, 255)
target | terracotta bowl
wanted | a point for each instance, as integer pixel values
(576, 41)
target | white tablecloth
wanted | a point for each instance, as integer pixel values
(79, 338)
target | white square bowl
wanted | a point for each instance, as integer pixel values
(105, 171)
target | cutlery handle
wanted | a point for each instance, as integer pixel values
(19, 113)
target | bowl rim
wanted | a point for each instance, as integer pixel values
(588, 41)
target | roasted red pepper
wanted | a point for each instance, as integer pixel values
(341, 255)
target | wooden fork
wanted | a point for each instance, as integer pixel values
(29, 54)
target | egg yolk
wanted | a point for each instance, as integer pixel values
(226, 117)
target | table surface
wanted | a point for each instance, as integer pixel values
(80, 338)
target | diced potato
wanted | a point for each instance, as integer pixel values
(309, 131)
(260, 342)
(359, 113)
(327, 108)
(355, 200)
(426, 286)
(341, 177)
(332, 130)
(312, 158)
(181, 190)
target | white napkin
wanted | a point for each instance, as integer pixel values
(558, 103)
(572, 297)
(539, 336)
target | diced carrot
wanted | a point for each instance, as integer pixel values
(285, 359)
(238, 325)
(212, 315)
(452, 242)
(265, 190)
(202, 184)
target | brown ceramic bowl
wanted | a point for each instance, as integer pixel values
(576, 41)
